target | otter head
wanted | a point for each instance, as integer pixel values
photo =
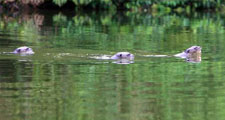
(193, 54)
(123, 55)
(193, 50)
(23, 50)
(190, 52)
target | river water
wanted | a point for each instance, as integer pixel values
(63, 80)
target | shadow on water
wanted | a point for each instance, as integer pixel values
(60, 82)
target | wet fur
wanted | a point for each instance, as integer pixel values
(192, 54)
(23, 50)
(123, 55)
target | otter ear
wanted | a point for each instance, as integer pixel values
(120, 55)
(196, 48)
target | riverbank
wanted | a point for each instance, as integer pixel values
(113, 5)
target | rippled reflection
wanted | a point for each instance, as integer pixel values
(71, 76)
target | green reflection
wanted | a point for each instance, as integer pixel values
(114, 32)
(61, 82)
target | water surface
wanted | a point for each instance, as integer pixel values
(62, 80)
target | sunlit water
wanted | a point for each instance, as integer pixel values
(71, 78)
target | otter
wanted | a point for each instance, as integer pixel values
(192, 54)
(123, 58)
(123, 55)
(189, 52)
(23, 50)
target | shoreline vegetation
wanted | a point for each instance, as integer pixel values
(34, 25)
(115, 5)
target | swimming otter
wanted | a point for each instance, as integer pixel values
(192, 54)
(189, 52)
(23, 50)
(123, 55)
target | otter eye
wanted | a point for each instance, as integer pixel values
(120, 55)
(27, 49)
(187, 51)
(18, 50)
(128, 55)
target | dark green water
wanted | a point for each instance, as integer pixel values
(61, 82)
